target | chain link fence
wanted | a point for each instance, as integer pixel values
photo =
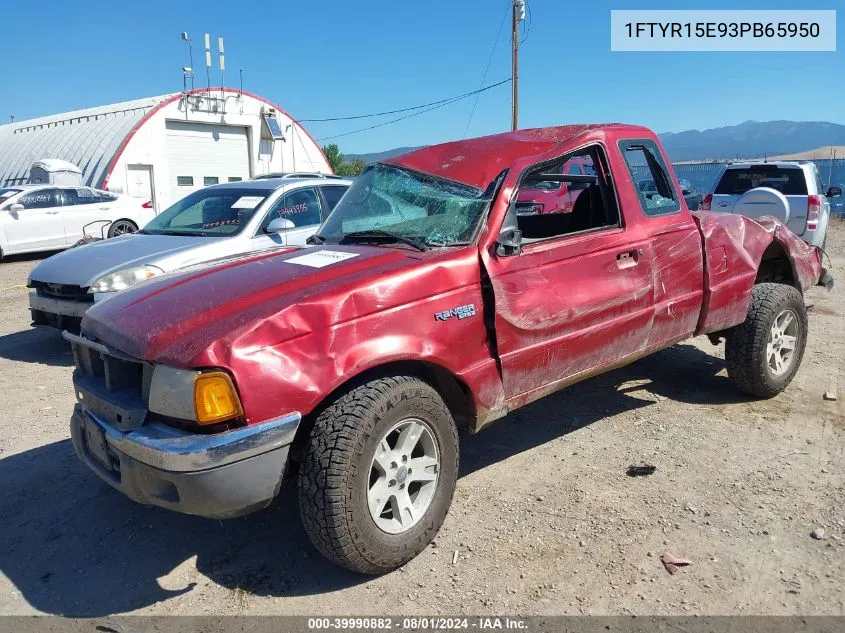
(705, 174)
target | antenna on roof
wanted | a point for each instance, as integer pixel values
(188, 71)
(12, 116)
(222, 64)
(208, 61)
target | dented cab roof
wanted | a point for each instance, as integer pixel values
(477, 161)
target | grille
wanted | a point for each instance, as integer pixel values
(68, 292)
(114, 386)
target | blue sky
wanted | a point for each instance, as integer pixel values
(330, 58)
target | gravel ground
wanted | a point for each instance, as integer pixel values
(544, 520)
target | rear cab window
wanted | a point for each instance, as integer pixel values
(645, 164)
(790, 181)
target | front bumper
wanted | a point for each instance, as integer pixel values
(57, 313)
(219, 475)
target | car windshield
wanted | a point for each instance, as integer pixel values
(390, 203)
(211, 212)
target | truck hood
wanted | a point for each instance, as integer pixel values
(201, 317)
(83, 265)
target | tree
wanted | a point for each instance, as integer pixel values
(352, 167)
(335, 158)
(340, 165)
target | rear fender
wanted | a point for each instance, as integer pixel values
(733, 248)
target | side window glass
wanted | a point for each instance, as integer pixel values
(302, 207)
(333, 195)
(79, 195)
(40, 199)
(594, 206)
(646, 164)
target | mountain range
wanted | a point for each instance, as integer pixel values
(751, 139)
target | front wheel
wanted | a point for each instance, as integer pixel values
(378, 474)
(764, 352)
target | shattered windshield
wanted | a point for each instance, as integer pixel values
(392, 204)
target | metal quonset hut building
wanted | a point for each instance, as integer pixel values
(162, 148)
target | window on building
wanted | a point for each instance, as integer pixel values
(235, 179)
(210, 180)
(185, 181)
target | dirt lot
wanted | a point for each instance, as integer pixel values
(544, 521)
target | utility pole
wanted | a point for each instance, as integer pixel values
(514, 67)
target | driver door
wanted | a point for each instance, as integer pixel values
(578, 296)
(38, 226)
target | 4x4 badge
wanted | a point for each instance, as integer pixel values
(462, 312)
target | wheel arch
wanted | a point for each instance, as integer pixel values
(776, 266)
(455, 393)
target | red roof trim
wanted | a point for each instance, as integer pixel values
(179, 95)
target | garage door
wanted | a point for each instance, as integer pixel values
(201, 154)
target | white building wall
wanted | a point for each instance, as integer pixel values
(148, 146)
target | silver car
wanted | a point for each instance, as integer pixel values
(214, 223)
(792, 192)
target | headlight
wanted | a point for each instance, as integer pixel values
(206, 397)
(122, 279)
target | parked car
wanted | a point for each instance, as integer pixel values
(427, 302)
(792, 192)
(691, 195)
(216, 222)
(296, 174)
(50, 217)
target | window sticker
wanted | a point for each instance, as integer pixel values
(247, 202)
(321, 258)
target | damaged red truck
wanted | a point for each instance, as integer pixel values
(425, 303)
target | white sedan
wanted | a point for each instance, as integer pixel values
(51, 217)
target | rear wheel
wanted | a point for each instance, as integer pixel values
(122, 227)
(764, 352)
(379, 473)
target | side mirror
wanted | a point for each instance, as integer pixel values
(833, 192)
(15, 209)
(279, 225)
(509, 242)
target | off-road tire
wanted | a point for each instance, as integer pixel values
(123, 221)
(745, 348)
(335, 470)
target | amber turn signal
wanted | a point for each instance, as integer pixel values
(215, 398)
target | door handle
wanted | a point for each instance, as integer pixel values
(628, 258)
(52, 212)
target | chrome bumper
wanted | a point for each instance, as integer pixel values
(173, 449)
(219, 476)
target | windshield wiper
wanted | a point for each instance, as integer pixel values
(381, 234)
(315, 239)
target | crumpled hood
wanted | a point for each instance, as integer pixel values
(83, 265)
(184, 319)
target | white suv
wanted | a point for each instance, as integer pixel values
(792, 192)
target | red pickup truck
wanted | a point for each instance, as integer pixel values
(425, 303)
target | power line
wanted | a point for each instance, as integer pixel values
(489, 61)
(417, 107)
(439, 104)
